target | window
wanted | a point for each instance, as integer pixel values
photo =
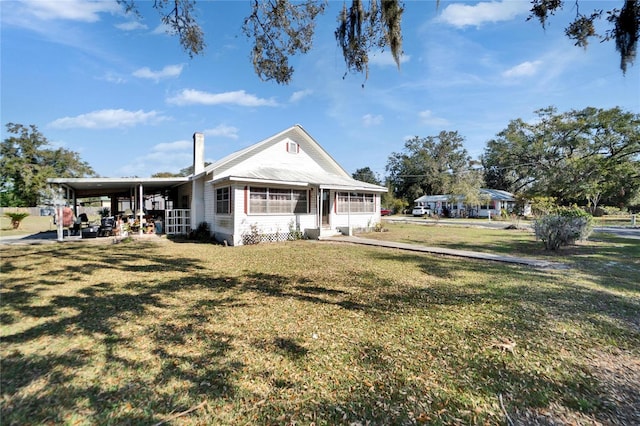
(258, 200)
(293, 148)
(223, 201)
(360, 202)
(277, 201)
(299, 198)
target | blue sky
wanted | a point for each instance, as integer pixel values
(122, 93)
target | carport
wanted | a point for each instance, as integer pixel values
(135, 190)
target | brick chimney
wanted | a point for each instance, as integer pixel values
(198, 153)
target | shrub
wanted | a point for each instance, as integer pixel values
(613, 211)
(16, 218)
(202, 233)
(562, 227)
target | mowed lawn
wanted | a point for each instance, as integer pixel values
(320, 333)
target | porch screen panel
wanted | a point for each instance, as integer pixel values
(258, 200)
(277, 201)
(360, 202)
(300, 201)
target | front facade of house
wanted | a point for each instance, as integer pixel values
(284, 186)
(281, 188)
(495, 202)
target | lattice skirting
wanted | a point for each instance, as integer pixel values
(274, 237)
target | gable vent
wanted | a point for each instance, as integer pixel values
(293, 148)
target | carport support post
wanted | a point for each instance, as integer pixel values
(58, 201)
(633, 220)
(59, 222)
(141, 202)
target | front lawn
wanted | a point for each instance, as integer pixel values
(312, 332)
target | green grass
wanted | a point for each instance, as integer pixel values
(313, 332)
(29, 225)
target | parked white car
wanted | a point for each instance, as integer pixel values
(420, 211)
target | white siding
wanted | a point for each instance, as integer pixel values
(276, 146)
(197, 202)
(276, 156)
(209, 204)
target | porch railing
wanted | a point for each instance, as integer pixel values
(177, 221)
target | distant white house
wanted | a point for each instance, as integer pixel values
(496, 201)
(284, 185)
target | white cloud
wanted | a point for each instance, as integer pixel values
(296, 96)
(166, 72)
(238, 97)
(224, 131)
(427, 117)
(462, 15)
(131, 26)
(163, 157)
(524, 69)
(172, 146)
(162, 29)
(71, 10)
(385, 59)
(108, 119)
(112, 77)
(369, 120)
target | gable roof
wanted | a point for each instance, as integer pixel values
(329, 173)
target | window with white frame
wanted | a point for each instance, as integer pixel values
(277, 201)
(293, 148)
(356, 202)
(223, 201)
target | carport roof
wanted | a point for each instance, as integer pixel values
(92, 187)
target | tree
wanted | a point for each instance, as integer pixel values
(280, 29)
(26, 164)
(182, 173)
(16, 218)
(388, 200)
(365, 174)
(467, 185)
(166, 175)
(431, 165)
(625, 22)
(581, 156)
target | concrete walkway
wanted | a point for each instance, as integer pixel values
(536, 263)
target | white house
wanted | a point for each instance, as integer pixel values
(284, 185)
(495, 202)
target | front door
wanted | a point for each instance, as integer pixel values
(326, 207)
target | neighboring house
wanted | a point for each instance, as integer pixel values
(495, 202)
(285, 185)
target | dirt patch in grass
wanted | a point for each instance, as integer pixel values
(306, 332)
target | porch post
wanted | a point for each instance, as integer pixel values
(320, 194)
(349, 213)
